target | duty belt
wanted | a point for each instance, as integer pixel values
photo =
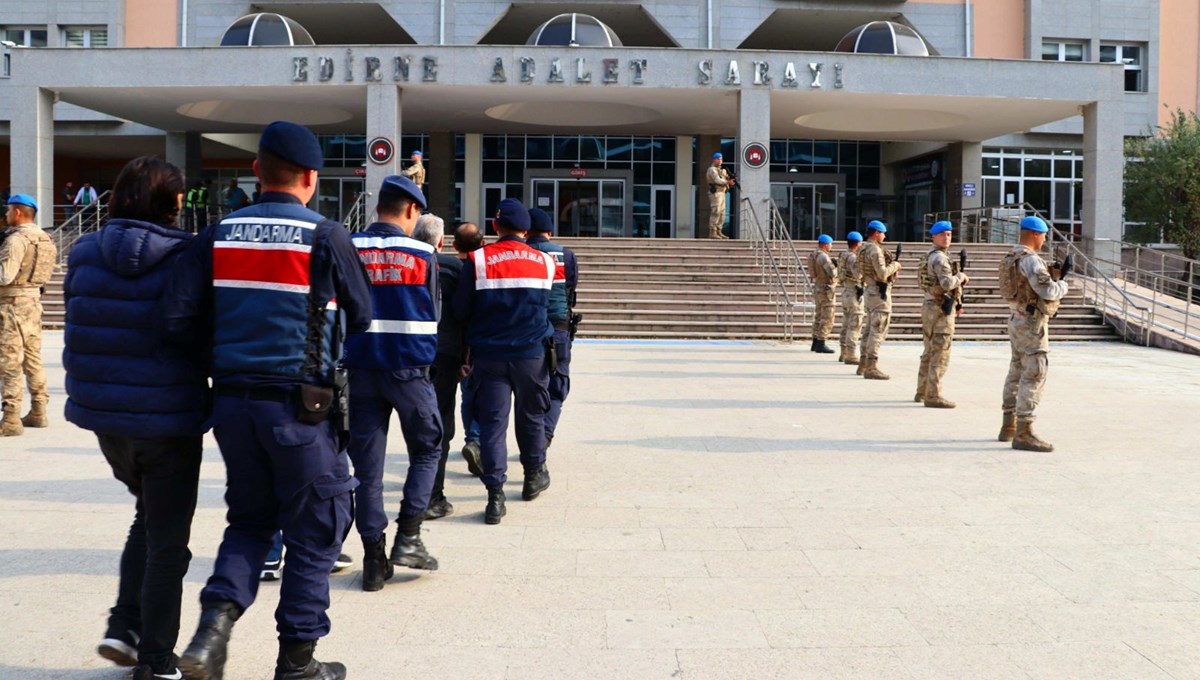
(281, 395)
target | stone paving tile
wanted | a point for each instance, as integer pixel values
(789, 664)
(1111, 661)
(883, 627)
(958, 626)
(732, 593)
(697, 629)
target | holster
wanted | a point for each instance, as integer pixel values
(551, 354)
(882, 289)
(858, 292)
(573, 328)
(947, 304)
(314, 404)
(341, 403)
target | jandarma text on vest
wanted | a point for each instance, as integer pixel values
(515, 255)
(266, 233)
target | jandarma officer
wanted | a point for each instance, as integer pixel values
(942, 284)
(850, 279)
(270, 273)
(824, 274)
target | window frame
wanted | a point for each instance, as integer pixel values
(1061, 45)
(88, 32)
(27, 32)
(1119, 58)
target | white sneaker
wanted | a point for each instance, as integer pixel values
(271, 571)
(118, 650)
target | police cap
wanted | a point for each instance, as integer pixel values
(876, 225)
(1035, 224)
(825, 239)
(293, 143)
(416, 153)
(854, 236)
(717, 155)
(539, 221)
(23, 199)
(939, 227)
(511, 214)
(398, 185)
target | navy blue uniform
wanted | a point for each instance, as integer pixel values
(449, 360)
(256, 277)
(389, 371)
(562, 297)
(502, 298)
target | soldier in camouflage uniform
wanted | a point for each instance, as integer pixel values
(416, 171)
(824, 273)
(850, 279)
(1033, 293)
(942, 283)
(26, 262)
(879, 272)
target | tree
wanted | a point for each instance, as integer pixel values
(1162, 183)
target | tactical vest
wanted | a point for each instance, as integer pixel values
(866, 254)
(848, 274)
(38, 264)
(816, 271)
(1015, 288)
(559, 313)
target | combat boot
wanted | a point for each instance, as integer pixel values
(1026, 440)
(821, 348)
(376, 567)
(938, 401)
(851, 358)
(862, 366)
(204, 658)
(919, 397)
(11, 425)
(813, 346)
(842, 355)
(495, 506)
(409, 551)
(535, 483)
(872, 372)
(296, 662)
(471, 454)
(1008, 428)
(37, 416)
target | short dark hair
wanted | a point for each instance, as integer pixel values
(148, 190)
(392, 204)
(467, 238)
(276, 172)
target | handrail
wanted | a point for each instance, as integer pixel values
(356, 216)
(780, 231)
(86, 219)
(762, 249)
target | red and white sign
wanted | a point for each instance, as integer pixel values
(754, 155)
(360, 172)
(381, 151)
(579, 173)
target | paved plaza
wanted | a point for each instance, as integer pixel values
(719, 510)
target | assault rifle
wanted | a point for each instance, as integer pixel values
(952, 303)
(883, 285)
(1059, 271)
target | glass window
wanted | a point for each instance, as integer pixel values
(26, 37)
(868, 153)
(619, 149)
(825, 153)
(493, 172)
(538, 148)
(991, 167)
(1037, 167)
(848, 153)
(566, 148)
(641, 149)
(514, 146)
(1062, 168)
(493, 146)
(663, 173)
(591, 149)
(1056, 50)
(1131, 57)
(664, 149)
(1012, 167)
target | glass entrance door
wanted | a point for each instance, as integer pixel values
(337, 195)
(583, 207)
(492, 195)
(809, 209)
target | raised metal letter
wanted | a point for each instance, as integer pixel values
(837, 76)
(733, 76)
(373, 71)
(556, 75)
(789, 76)
(528, 69)
(324, 68)
(611, 70)
(498, 71)
(400, 73)
(705, 67)
(761, 77)
(300, 69)
(814, 69)
(430, 64)
(582, 75)
(639, 70)
(349, 66)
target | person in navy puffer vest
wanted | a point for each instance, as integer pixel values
(562, 299)
(503, 298)
(144, 399)
(389, 371)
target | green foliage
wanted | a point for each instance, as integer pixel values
(1162, 183)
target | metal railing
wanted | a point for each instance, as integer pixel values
(1166, 282)
(356, 216)
(987, 224)
(86, 219)
(780, 266)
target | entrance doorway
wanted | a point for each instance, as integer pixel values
(808, 209)
(492, 195)
(580, 207)
(337, 195)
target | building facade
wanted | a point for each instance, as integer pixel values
(1018, 101)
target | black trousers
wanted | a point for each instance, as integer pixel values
(445, 385)
(162, 474)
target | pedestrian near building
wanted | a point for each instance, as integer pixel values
(943, 285)
(1034, 292)
(190, 202)
(27, 256)
(850, 279)
(265, 280)
(503, 299)
(824, 275)
(879, 272)
(85, 201)
(68, 199)
(416, 171)
(562, 300)
(389, 372)
(235, 197)
(719, 183)
(144, 400)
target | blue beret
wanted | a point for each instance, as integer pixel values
(23, 199)
(854, 236)
(539, 220)
(939, 227)
(416, 153)
(824, 238)
(511, 214)
(293, 143)
(717, 155)
(877, 226)
(1035, 224)
(398, 185)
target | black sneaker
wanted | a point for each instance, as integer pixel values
(409, 551)
(119, 647)
(535, 483)
(169, 671)
(439, 507)
(495, 506)
(343, 561)
(272, 570)
(471, 453)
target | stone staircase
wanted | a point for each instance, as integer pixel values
(688, 288)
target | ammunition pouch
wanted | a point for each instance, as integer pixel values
(948, 304)
(315, 403)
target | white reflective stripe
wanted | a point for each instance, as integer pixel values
(551, 265)
(493, 284)
(331, 306)
(261, 285)
(269, 220)
(392, 242)
(406, 327)
(258, 245)
(480, 265)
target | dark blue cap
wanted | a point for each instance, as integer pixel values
(398, 185)
(854, 236)
(540, 221)
(23, 199)
(877, 226)
(1035, 224)
(511, 214)
(293, 143)
(825, 238)
(939, 227)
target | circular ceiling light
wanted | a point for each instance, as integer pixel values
(581, 114)
(879, 121)
(261, 112)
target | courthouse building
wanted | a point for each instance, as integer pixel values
(606, 113)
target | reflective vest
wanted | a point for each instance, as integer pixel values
(559, 313)
(512, 289)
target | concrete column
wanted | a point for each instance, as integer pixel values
(966, 167)
(183, 151)
(31, 147)
(473, 179)
(439, 184)
(383, 120)
(754, 125)
(685, 216)
(1103, 176)
(706, 146)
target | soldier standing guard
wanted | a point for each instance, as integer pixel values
(1033, 292)
(416, 171)
(824, 275)
(942, 283)
(878, 272)
(850, 279)
(27, 257)
(719, 182)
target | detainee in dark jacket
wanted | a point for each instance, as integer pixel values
(144, 399)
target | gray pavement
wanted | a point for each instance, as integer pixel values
(721, 510)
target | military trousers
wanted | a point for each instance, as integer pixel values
(937, 331)
(852, 320)
(374, 395)
(1028, 334)
(519, 385)
(286, 475)
(825, 298)
(878, 320)
(21, 353)
(560, 380)
(716, 214)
